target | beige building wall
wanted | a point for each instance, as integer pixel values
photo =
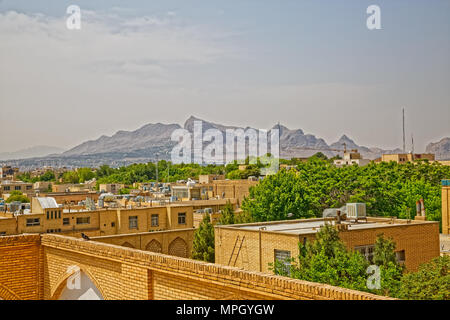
(445, 196)
(99, 222)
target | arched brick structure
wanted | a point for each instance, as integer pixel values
(7, 294)
(127, 244)
(178, 247)
(154, 246)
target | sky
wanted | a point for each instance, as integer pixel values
(308, 64)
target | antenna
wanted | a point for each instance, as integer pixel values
(412, 147)
(403, 113)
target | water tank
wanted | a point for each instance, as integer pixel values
(190, 183)
(356, 210)
(330, 212)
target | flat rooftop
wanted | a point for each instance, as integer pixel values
(308, 226)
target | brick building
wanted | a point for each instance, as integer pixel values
(445, 206)
(48, 217)
(253, 246)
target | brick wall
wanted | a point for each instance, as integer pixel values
(124, 273)
(20, 260)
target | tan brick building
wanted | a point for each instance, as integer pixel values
(407, 157)
(48, 217)
(253, 246)
(7, 186)
(445, 209)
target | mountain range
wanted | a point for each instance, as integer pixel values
(36, 151)
(153, 141)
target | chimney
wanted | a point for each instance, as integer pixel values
(418, 210)
(422, 208)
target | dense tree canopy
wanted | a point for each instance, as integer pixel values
(431, 282)
(388, 189)
(17, 196)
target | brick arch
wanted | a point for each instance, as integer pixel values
(61, 283)
(178, 247)
(127, 244)
(7, 294)
(154, 246)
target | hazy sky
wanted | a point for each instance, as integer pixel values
(311, 64)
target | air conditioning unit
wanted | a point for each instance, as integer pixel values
(356, 210)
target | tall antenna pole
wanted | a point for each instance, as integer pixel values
(404, 147)
(412, 147)
(157, 180)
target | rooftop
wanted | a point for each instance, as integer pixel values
(308, 226)
(47, 203)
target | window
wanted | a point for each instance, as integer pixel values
(48, 215)
(83, 220)
(182, 218)
(133, 222)
(59, 214)
(155, 220)
(18, 188)
(366, 251)
(113, 224)
(284, 256)
(6, 188)
(2, 233)
(29, 187)
(51, 214)
(400, 255)
(33, 222)
(66, 221)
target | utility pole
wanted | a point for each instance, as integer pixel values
(157, 170)
(403, 113)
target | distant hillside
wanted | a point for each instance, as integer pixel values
(37, 151)
(441, 149)
(152, 142)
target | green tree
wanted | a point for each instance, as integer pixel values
(203, 246)
(431, 282)
(70, 177)
(227, 215)
(391, 271)
(47, 176)
(277, 196)
(124, 191)
(85, 174)
(17, 196)
(326, 260)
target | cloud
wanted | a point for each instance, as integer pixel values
(141, 47)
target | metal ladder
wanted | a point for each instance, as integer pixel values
(235, 253)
